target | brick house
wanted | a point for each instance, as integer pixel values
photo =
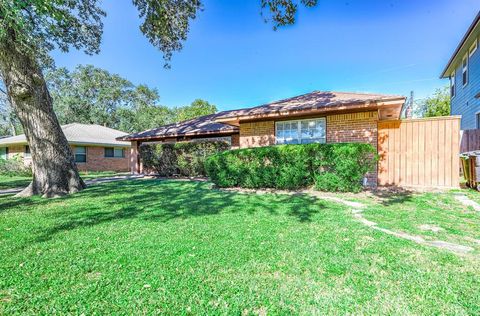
(325, 117)
(95, 147)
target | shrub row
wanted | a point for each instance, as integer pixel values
(185, 159)
(14, 166)
(329, 167)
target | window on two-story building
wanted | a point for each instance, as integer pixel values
(301, 131)
(452, 84)
(81, 154)
(111, 152)
(465, 70)
(473, 48)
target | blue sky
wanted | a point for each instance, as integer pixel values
(233, 59)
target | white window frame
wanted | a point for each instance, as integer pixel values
(299, 130)
(465, 70)
(453, 91)
(473, 48)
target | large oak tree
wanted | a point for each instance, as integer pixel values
(30, 29)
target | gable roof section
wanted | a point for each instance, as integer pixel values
(80, 134)
(204, 125)
(473, 27)
(317, 102)
(223, 123)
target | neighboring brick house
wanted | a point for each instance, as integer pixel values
(463, 70)
(325, 117)
(95, 147)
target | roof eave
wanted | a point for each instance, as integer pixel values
(447, 71)
(374, 104)
(216, 132)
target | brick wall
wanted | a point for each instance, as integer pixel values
(358, 127)
(354, 128)
(19, 150)
(96, 161)
(235, 141)
(256, 134)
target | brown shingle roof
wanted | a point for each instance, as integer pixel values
(203, 125)
(316, 100)
(211, 124)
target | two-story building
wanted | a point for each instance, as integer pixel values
(463, 70)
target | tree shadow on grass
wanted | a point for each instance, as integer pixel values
(165, 200)
(388, 196)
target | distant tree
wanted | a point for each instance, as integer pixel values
(197, 108)
(9, 124)
(144, 113)
(436, 105)
(29, 30)
(94, 96)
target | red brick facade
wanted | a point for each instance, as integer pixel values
(96, 160)
(358, 127)
(353, 128)
(257, 134)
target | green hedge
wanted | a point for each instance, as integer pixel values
(328, 167)
(185, 159)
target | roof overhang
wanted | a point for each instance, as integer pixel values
(387, 109)
(460, 50)
(24, 142)
(190, 134)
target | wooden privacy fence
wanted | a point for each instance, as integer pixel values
(470, 140)
(419, 152)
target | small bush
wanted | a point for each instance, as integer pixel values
(14, 166)
(329, 167)
(185, 159)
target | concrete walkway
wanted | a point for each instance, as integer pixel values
(87, 182)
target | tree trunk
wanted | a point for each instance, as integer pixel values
(54, 170)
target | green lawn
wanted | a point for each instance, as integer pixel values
(7, 182)
(414, 213)
(153, 247)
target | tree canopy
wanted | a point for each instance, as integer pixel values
(92, 95)
(40, 26)
(436, 105)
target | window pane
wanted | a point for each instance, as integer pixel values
(3, 153)
(80, 158)
(80, 150)
(118, 152)
(109, 152)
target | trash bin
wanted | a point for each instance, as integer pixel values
(471, 168)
